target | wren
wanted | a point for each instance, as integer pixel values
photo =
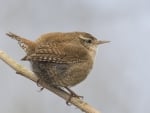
(60, 59)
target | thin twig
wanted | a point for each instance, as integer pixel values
(85, 107)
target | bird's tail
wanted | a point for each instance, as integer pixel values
(25, 44)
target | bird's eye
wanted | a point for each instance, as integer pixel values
(86, 40)
(89, 41)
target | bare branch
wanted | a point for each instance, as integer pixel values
(85, 107)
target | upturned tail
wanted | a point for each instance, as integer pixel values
(27, 45)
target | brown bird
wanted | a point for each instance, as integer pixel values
(61, 59)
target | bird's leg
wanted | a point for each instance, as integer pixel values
(38, 84)
(59, 88)
(72, 94)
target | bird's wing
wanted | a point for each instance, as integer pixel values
(58, 53)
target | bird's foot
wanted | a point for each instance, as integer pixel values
(38, 84)
(72, 94)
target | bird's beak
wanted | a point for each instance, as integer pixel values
(102, 42)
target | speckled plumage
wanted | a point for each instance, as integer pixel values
(60, 59)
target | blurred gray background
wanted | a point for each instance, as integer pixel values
(120, 80)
